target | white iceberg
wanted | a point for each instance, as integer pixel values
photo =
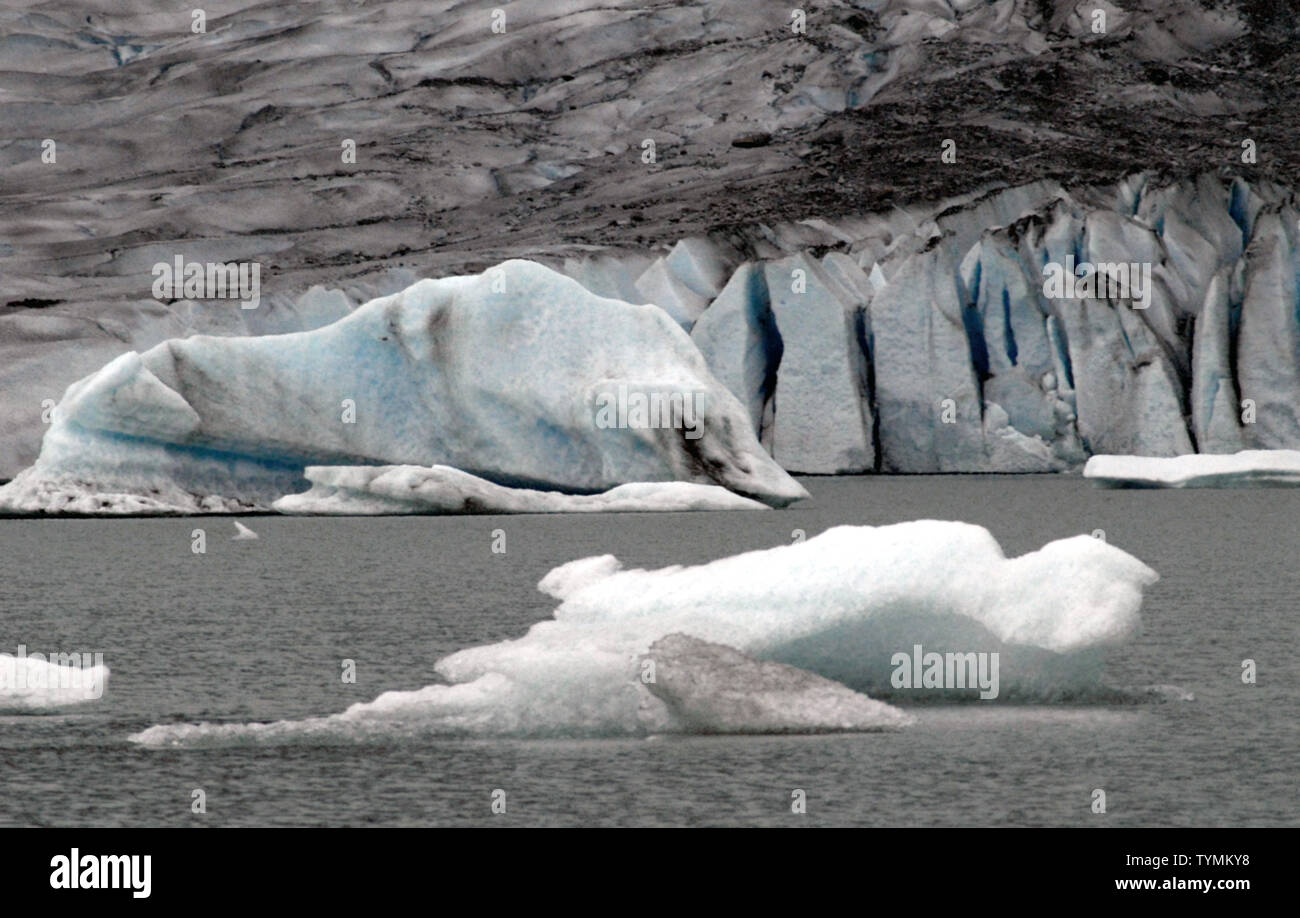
(1248, 468)
(397, 489)
(839, 605)
(503, 374)
(30, 682)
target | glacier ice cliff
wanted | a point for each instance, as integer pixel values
(926, 340)
(838, 605)
(500, 374)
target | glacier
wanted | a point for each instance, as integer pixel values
(1248, 468)
(30, 682)
(495, 374)
(915, 341)
(837, 605)
(923, 340)
(396, 489)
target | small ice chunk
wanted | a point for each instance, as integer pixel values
(1248, 468)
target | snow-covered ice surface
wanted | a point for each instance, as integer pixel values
(839, 605)
(1245, 469)
(501, 374)
(395, 489)
(29, 684)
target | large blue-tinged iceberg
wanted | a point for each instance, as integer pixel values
(518, 375)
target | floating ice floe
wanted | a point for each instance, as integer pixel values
(1248, 468)
(33, 683)
(242, 533)
(508, 375)
(394, 489)
(841, 605)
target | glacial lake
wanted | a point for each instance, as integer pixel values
(256, 630)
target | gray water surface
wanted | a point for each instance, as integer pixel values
(255, 631)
